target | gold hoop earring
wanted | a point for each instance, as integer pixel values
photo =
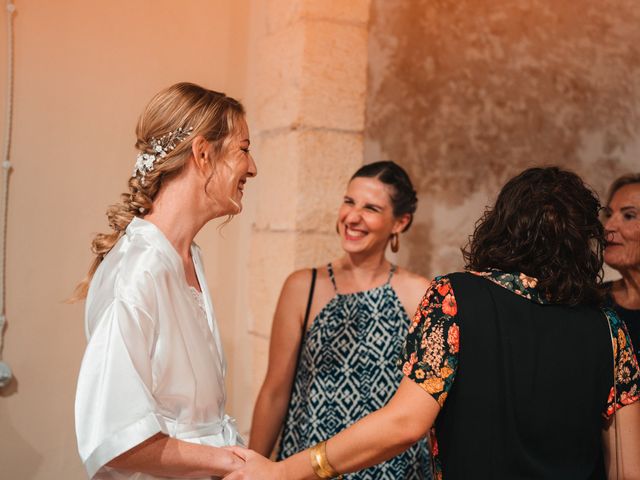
(395, 242)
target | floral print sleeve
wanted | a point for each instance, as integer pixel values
(627, 372)
(430, 354)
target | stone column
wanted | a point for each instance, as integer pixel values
(309, 93)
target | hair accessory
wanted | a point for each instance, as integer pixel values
(161, 147)
(320, 463)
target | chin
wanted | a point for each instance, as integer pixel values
(351, 247)
(235, 206)
(616, 263)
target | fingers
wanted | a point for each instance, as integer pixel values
(239, 452)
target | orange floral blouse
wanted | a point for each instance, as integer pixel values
(430, 355)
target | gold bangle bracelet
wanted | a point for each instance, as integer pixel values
(319, 462)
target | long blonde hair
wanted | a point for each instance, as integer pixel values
(210, 114)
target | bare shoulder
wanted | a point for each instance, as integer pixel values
(297, 282)
(295, 291)
(410, 282)
(410, 288)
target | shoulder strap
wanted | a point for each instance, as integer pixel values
(392, 270)
(314, 273)
(332, 276)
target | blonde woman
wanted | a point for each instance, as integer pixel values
(150, 399)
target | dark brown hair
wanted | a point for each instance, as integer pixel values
(544, 224)
(404, 198)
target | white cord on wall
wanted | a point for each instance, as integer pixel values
(5, 370)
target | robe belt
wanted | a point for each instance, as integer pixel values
(225, 426)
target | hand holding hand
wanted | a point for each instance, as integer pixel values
(232, 458)
(257, 467)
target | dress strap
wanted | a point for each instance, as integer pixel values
(332, 276)
(392, 270)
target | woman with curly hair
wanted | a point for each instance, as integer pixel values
(513, 362)
(150, 401)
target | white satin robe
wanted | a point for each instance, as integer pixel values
(153, 362)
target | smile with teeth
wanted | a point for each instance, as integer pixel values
(352, 234)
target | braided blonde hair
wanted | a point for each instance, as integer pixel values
(210, 114)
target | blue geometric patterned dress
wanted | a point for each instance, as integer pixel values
(347, 370)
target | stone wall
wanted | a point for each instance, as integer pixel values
(307, 120)
(467, 93)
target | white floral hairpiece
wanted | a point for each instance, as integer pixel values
(161, 147)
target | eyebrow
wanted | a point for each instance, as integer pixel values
(374, 205)
(627, 208)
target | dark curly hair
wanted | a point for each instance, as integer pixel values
(404, 198)
(544, 224)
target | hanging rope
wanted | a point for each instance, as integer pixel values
(5, 371)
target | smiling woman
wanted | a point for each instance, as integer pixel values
(513, 362)
(622, 223)
(150, 400)
(335, 342)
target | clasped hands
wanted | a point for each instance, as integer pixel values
(256, 467)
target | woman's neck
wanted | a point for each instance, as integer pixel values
(175, 213)
(363, 271)
(626, 291)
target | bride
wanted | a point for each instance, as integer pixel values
(150, 399)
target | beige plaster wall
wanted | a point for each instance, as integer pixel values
(308, 91)
(84, 71)
(467, 93)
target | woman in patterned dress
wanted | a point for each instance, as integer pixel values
(513, 362)
(358, 319)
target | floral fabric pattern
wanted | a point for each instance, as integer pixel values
(430, 354)
(627, 382)
(518, 283)
(430, 351)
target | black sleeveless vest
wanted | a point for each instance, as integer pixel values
(530, 390)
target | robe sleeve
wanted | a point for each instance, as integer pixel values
(115, 408)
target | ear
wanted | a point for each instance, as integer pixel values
(200, 152)
(401, 223)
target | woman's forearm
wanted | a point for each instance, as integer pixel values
(163, 456)
(377, 437)
(374, 439)
(268, 416)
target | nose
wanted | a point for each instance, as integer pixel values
(610, 227)
(253, 169)
(611, 223)
(353, 216)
